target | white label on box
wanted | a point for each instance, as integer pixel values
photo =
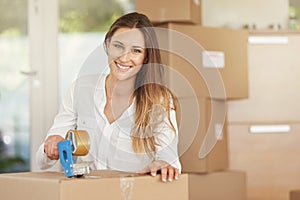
(268, 40)
(270, 128)
(213, 59)
(219, 131)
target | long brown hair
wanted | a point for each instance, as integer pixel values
(153, 100)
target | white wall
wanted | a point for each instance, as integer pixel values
(236, 13)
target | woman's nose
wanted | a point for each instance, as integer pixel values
(125, 56)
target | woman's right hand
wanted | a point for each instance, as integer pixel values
(51, 148)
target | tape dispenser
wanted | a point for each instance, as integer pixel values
(76, 143)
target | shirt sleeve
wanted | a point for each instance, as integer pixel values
(65, 120)
(167, 140)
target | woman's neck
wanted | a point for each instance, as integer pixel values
(117, 88)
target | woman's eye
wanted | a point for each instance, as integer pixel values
(136, 51)
(118, 46)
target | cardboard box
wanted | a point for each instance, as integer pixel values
(202, 134)
(295, 195)
(97, 185)
(229, 185)
(279, 69)
(188, 11)
(271, 160)
(205, 62)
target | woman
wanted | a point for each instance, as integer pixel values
(129, 114)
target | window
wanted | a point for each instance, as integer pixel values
(82, 26)
(14, 87)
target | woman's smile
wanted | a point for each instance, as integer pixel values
(123, 67)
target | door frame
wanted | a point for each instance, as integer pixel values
(43, 34)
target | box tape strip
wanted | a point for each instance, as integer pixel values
(126, 187)
(80, 142)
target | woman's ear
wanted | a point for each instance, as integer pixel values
(146, 60)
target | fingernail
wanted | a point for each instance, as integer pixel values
(164, 180)
(176, 177)
(170, 179)
(153, 174)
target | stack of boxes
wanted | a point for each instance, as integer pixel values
(205, 68)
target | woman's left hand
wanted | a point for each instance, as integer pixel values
(167, 171)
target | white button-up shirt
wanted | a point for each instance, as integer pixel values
(110, 143)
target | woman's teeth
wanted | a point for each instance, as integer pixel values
(123, 67)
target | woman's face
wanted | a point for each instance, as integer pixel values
(126, 53)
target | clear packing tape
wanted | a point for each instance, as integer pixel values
(126, 187)
(127, 181)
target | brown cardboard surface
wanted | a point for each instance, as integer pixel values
(273, 83)
(229, 185)
(188, 11)
(295, 195)
(183, 50)
(97, 185)
(202, 121)
(271, 160)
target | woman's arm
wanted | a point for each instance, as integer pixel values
(166, 160)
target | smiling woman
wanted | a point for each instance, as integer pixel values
(129, 113)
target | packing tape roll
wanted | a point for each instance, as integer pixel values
(80, 142)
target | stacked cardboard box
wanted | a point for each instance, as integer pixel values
(218, 185)
(187, 11)
(203, 150)
(205, 67)
(203, 61)
(295, 195)
(203, 140)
